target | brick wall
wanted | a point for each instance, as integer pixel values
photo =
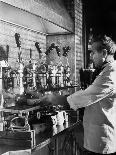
(28, 39)
(79, 54)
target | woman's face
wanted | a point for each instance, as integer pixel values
(97, 56)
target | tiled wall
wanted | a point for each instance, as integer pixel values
(28, 39)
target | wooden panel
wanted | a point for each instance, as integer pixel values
(16, 138)
(20, 143)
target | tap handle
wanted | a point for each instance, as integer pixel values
(58, 51)
(37, 45)
(17, 39)
(18, 42)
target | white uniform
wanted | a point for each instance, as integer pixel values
(99, 121)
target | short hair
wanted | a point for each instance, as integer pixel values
(105, 43)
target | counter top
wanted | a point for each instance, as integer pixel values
(21, 109)
(47, 136)
(43, 138)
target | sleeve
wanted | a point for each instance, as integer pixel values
(100, 88)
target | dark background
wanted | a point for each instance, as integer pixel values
(101, 16)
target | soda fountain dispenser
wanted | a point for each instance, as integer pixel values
(21, 66)
(67, 67)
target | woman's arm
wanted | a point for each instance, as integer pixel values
(102, 87)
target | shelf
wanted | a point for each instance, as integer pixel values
(20, 109)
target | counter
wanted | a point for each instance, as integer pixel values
(49, 136)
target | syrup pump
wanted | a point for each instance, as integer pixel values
(30, 73)
(51, 69)
(42, 70)
(60, 69)
(21, 66)
(67, 67)
(42, 76)
(33, 70)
